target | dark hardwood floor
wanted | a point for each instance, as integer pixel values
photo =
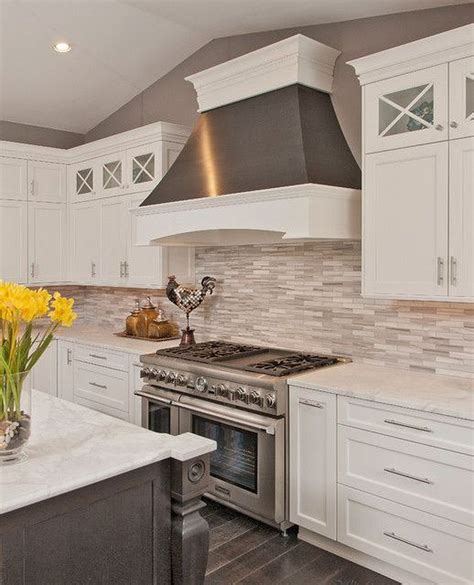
(247, 552)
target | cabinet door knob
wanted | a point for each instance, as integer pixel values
(439, 127)
(453, 124)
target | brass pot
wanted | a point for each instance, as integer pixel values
(148, 313)
(131, 322)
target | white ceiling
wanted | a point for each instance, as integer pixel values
(120, 47)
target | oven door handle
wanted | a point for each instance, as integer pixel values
(269, 429)
(154, 398)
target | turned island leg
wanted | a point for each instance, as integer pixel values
(189, 531)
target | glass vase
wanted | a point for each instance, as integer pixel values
(15, 417)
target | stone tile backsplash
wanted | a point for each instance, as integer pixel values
(307, 297)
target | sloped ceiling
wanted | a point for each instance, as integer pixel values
(120, 47)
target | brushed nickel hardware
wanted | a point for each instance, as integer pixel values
(125, 265)
(32, 187)
(93, 272)
(390, 421)
(454, 271)
(410, 542)
(69, 357)
(440, 269)
(103, 386)
(408, 475)
(308, 402)
(121, 269)
(32, 270)
(439, 127)
(453, 124)
(99, 357)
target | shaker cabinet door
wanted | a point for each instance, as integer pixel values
(47, 182)
(112, 241)
(313, 460)
(461, 98)
(47, 242)
(13, 178)
(461, 218)
(84, 242)
(13, 241)
(44, 375)
(406, 110)
(405, 211)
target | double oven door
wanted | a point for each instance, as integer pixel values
(248, 466)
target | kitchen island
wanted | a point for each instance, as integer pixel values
(99, 500)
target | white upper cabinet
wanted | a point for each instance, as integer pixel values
(461, 218)
(13, 178)
(84, 226)
(407, 110)
(461, 98)
(83, 180)
(144, 168)
(406, 221)
(113, 268)
(13, 241)
(47, 242)
(47, 182)
(418, 181)
(112, 174)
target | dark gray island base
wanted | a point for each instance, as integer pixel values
(142, 527)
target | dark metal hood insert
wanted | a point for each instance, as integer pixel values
(289, 136)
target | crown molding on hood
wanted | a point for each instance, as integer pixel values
(297, 59)
(280, 215)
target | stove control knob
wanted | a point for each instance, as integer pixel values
(242, 394)
(145, 373)
(270, 400)
(254, 397)
(171, 378)
(181, 380)
(222, 390)
(162, 375)
(154, 374)
(201, 384)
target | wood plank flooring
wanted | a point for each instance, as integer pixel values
(248, 552)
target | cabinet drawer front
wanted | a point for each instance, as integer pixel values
(102, 408)
(432, 547)
(102, 357)
(422, 427)
(101, 385)
(430, 479)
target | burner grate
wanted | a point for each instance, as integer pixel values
(212, 351)
(291, 364)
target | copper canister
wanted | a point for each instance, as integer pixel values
(148, 313)
(160, 327)
(131, 322)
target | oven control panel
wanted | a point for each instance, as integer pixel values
(250, 397)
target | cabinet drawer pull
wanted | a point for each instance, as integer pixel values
(103, 386)
(313, 403)
(390, 421)
(410, 542)
(408, 475)
(98, 357)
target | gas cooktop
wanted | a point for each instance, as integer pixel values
(273, 362)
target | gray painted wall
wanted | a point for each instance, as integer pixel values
(172, 99)
(38, 135)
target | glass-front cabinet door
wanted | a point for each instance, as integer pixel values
(407, 110)
(144, 168)
(461, 98)
(83, 181)
(112, 175)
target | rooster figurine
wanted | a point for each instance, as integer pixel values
(188, 299)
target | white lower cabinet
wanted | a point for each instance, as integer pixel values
(313, 460)
(66, 370)
(44, 375)
(404, 487)
(135, 383)
(432, 547)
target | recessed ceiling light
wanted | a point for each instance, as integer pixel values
(62, 47)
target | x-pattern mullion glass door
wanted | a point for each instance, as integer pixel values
(144, 167)
(461, 98)
(112, 176)
(407, 110)
(85, 181)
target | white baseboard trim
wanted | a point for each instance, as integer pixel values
(361, 558)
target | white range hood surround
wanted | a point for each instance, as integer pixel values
(279, 214)
(283, 215)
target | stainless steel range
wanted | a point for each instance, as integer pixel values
(238, 396)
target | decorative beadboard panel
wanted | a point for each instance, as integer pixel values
(306, 297)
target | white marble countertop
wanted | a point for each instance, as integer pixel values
(448, 395)
(104, 337)
(72, 446)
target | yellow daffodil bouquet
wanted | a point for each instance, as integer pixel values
(21, 346)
